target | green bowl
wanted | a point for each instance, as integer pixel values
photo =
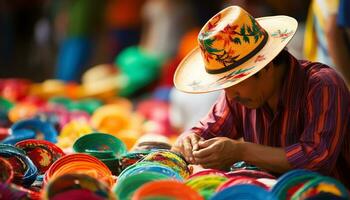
(125, 189)
(100, 145)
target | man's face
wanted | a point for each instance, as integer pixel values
(254, 91)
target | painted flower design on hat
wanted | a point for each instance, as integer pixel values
(231, 46)
(282, 34)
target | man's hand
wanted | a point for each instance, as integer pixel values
(186, 145)
(217, 153)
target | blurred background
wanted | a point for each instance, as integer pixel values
(45, 39)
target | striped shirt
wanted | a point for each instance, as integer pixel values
(312, 121)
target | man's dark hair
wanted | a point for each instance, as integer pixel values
(281, 58)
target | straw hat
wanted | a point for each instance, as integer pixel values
(233, 46)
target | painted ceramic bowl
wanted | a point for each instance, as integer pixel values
(208, 172)
(143, 167)
(41, 152)
(167, 189)
(206, 185)
(238, 180)
(321, 184)
(131, 158)
(6, 169)
(125, 188)
(169, 159)
(82, 163)
(291, 181)
(100, 145)
(25, 172)
(30, 129)
(69, 186)
(246, 191)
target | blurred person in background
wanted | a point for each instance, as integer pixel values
(327, 37)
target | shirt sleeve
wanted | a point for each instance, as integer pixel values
(221, 121)
(327, 112)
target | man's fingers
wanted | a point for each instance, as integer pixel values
(206, 143)
(208, 151)
(194, 141)
(188, 150)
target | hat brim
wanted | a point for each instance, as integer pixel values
(191, 76)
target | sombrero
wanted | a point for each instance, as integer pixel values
(233, 46)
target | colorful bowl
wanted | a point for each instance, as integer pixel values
(143, 167)
(41, 152)
(82, 163)
(238, 180)
(100, 144)
(206, 185)
(170, 159)
(246, 192)
(70, 185)
(250, 173)
(25, 172)
(125, 188)
(291, 181)
(321, 184)
(30, 129)
(208, 172)
(131, 158)
(166, 189)
(6, 169)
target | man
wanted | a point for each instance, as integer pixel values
(289, 113)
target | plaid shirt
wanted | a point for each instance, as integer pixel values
(312, 121)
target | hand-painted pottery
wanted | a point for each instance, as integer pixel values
(26, 129)
(206, 185)
(82, 163)
(60, 101)
(290, 182)
(4, 133)
(88, 105)
(321, 184)
(12, 191)
(170, 159)
(166, 189)
(125, 188)
(79, 115)
(14, 89)
(111, 119)
(41, 152)
(71, 132)
(6, 169)
(245, 191)
(143, 167)
(25, 171)
(34, 100)
(208, 172)
(22, 111)
(100, 145)
(5, 107)
(238, 180)
(131, 158)
(70, 186)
